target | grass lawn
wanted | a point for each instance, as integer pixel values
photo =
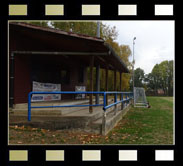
(138, 126)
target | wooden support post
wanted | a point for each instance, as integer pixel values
(120, 88)
(115, 81)
(120, 81)
(91, 84)
(115, 89)
(97, 84)
(106, 84)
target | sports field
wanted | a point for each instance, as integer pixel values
(152, 125)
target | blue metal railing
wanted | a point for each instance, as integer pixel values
(129, 96)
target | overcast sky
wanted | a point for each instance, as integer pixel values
(154, 41)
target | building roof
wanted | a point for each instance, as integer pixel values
(56, 40)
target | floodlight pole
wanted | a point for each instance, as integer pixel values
(133, 62)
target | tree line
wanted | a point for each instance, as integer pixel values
(159, 81)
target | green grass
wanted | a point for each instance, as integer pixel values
(139, 126)
(146, 126)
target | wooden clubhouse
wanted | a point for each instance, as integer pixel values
(48, 55)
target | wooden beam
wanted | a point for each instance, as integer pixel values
(120, 81)
(120, 87)
(91, 83)
(106, 83)
(97, 83)
(115, 81)
(115, 89)
(62, 53)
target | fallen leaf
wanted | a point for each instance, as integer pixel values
(42, 141)
(29, 128)
(43, 130)
(21, 128)
(106, 137)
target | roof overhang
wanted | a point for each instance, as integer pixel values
(58, 42)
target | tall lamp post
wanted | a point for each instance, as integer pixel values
(133, 63)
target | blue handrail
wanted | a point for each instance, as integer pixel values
(129, 96)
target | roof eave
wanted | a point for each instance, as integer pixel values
(58, 31)
(117, 57)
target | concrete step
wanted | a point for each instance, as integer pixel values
(82, 119)
(53, 123)
(56, 120)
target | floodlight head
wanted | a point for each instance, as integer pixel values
(134, 38)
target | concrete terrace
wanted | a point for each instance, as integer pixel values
(68, 117)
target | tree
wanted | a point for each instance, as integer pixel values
(39, 23)
(170, 78)
(87, 28)
(109, 34)
(161, 77)
(166, 72)
(157, 78)
(138, 77)
(123, 51)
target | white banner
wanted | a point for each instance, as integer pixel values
(80, 89)
(45, 87)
